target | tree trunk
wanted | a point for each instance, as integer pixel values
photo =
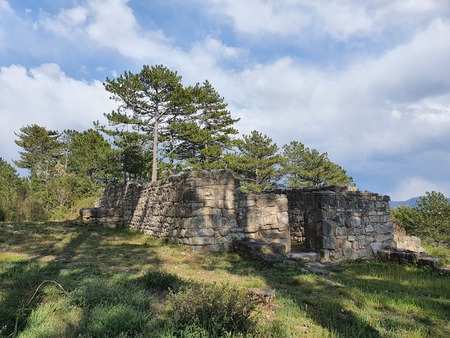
(155, 152)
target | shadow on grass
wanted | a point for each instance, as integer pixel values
(90, 260)
(399, 298)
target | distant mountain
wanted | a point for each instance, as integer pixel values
(410, 203)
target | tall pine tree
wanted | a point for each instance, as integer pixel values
(145, 101)
(256, 163)
(206, 131)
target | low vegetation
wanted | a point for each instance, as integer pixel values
(64, 280)
(429, 219)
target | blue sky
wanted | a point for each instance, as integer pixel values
(368, 82)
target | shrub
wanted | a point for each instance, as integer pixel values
(220, 310)
(430, 219)
(161, 281)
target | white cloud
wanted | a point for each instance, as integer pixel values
(356, 103)
(418, 186)
(340, 20)
(256, 17)
(46, 96)
(4, 6)
(68, 22)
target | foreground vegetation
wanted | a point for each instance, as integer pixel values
(64, 280)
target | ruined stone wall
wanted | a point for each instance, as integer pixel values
(207, 212)
(340, 222)
(201, 209)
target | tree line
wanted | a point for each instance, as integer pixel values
(429, 219)
(159, 128)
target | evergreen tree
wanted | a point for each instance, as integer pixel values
(131, 156)
(307, 167)
(429, 219)
(41, 149)
(88, 154)
(41, 152)
(206, 131)
(146, 100)
(256, 163)
(12, 192)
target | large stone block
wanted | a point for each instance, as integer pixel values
(328, 229)
(329, 242)
(385, 228)
(201, 240)
(353, 222)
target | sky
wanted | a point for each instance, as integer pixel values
(368, 82)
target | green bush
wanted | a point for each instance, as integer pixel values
(429, 220)
(220, 310)
(161, 281)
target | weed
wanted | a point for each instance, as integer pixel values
(161, 281)
(218, 309)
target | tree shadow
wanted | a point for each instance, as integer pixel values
(338, 304)
(65, 254)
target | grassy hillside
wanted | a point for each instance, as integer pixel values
(64, 280)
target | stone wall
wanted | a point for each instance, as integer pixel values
(201, 209)
(339, 222)
(207, 212)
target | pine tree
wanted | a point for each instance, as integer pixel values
(146, 102)
(206, 130)
(307, 167)
(256, 163)
(429, 219)
(88, 154)
(41, 149)
(12, 192)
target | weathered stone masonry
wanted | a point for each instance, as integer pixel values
(206, 211)
(200, 209)
(339, 222)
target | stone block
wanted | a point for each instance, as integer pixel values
(384, 228)
(216, 221)
(199, 222)
(380, 238)
(283, 218)
(328, 229)
(349, 253)
(353, 222)
(329, 242)
(270, 219)
(246, 202)
(224, 232)
(375, 246)
(211, 203)
(326, 254)
(201, 241)
(347, 245)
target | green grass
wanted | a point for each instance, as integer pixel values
(442, 252)
(66, 280)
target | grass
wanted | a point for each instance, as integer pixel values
(65, 280)
(442, 252)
